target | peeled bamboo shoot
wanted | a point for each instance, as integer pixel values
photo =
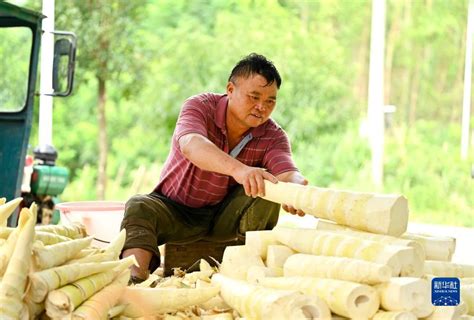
(348, 299)
(447, 312)
(439, 248)
(398, 258)
(377, 213)
(260, 240)
(467, 296)
(255, 302)
(330, 226)
(341, 268)
(277, 255)
(394, 315)
(237, 260)
(406, 294)
(448, 269)
(255, 272)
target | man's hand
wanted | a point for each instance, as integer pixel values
(294, 177)
(251, 178)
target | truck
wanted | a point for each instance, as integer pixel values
(21, 31)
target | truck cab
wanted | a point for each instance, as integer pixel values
(20, 41)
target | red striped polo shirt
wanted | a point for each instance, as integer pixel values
(205, 114)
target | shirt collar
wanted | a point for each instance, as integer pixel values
(220, 118)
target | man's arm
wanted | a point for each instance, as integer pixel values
(207, 156)
(294, 177)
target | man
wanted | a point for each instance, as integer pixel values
(222, 150)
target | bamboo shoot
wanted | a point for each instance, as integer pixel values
(341, 268)
(348, 299)
(406, 294)
(56, 254)
(255, 302)
(12, 287)
(98, 306)
(152, 301)
(377, 213)
(260, 240)
(7, 209)
(277, 255)
(237, 260)
(47, 280)
(448, 269)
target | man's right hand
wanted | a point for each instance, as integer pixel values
(251, 178)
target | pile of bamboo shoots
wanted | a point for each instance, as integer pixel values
(359, 262)
(54, 272)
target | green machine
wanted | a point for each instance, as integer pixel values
(49, 180)
(20, 41)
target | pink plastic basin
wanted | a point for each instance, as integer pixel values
(101, 218)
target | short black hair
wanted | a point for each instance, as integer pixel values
(256, 64)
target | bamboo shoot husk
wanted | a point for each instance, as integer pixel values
(115, 247)
(34, 309)
(47, 280)
(377, 213)
(152, 301)
(73, 231)
(341, 268)
(255, 302)
(7, 209)
(12, 287)
(56, 254)
(97, 306)
(115, 310)
(62, 302)
(348, 299)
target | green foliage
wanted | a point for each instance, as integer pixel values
(164, 51)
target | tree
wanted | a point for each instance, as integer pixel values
(108, 47)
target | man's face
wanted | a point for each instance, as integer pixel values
(251, 101)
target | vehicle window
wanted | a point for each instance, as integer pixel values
(15, 51)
